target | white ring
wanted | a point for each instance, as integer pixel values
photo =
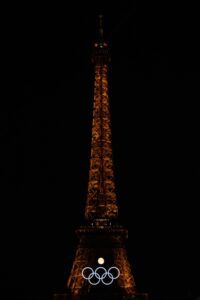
(107, 283)
(90, 276)
(103, 275)
(95, 283)
(112, 274)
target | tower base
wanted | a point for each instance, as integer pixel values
(101, 241)
(65, 296)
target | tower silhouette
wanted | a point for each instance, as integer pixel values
(101, 246)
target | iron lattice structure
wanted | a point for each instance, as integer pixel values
(100, 237)
(101, 200)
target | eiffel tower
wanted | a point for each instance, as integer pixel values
(101, 269)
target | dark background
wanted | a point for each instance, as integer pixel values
(46, 126)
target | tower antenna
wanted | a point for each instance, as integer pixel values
(101, 27)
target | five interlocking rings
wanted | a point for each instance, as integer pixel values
(100, 274)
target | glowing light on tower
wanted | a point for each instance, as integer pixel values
(101, 260)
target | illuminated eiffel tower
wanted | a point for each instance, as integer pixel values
(101, 269)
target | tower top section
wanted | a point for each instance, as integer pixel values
(100, 27)
(101, 51)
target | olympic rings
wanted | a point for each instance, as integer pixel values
(101, 275)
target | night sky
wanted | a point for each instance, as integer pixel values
(46, 129)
